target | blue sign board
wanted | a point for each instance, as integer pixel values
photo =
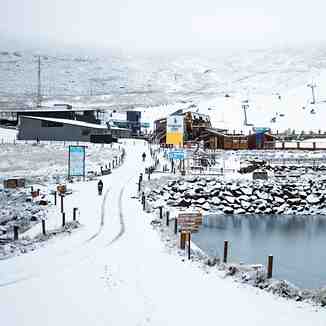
(76, 164)
(261, 130)
(178, 155)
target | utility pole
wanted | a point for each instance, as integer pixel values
(313, 86)
(245, 107)
(39, 89)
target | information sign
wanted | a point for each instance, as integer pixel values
(177, 155)
(76, 162)
(190, 221)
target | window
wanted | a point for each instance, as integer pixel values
(86, 132)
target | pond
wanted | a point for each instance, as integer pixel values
(298, 244)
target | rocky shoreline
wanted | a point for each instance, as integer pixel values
(284, 196)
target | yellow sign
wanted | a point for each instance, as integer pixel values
(174, 138)
(174, 130)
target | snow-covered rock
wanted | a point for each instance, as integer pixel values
(246, 191)
(313, 199)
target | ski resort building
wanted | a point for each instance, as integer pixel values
(89, 115)
(194, 125)
(55, 129)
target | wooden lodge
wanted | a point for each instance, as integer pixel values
(194, 125)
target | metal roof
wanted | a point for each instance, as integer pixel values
(68, 122)
(51, 109)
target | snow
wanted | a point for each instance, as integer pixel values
(7, 135)
(115, 270)
(69, 122)
(48, 161)
(292, 112)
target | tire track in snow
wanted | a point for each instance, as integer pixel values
(122, 223)
(102, 217)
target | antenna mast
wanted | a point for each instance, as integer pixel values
(313, 86)
(39, 94)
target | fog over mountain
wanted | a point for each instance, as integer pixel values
(162, 25)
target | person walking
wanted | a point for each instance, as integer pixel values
(100, 187)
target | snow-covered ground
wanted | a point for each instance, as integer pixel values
(47, 161)
(7, 135)
(116, 271)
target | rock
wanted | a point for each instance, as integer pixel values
(201, 201)
(246, 191)
(245, 204)
(230, 199)
(233, 187)
(215, 201)
(228, 210)
(184, 203)
(279, 200)
(312, 199)
(244, 198)
(199, 189)
(294, 201)
(206, 206)
(171, 183)
(182, 188)
(262, 195)
(239, 211)
(281, 209)
(202, 183)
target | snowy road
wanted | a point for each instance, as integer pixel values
(115, 271)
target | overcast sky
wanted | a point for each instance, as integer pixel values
(164, 24)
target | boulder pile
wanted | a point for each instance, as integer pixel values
(243, 197)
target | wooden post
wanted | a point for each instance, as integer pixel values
(43, 227)
(314, 145)
(63, 219)
(167, 218)
(144, 201)
(175, 226)
(189, 240)
(61, 195)
(225, 254)
(283, 145)
(55, 198)
(270, 267)
(74, 214)
(16, 230)
(183, 236)
(161, 212)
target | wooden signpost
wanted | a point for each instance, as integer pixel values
(188, 223)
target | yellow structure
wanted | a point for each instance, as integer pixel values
(174, 130)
